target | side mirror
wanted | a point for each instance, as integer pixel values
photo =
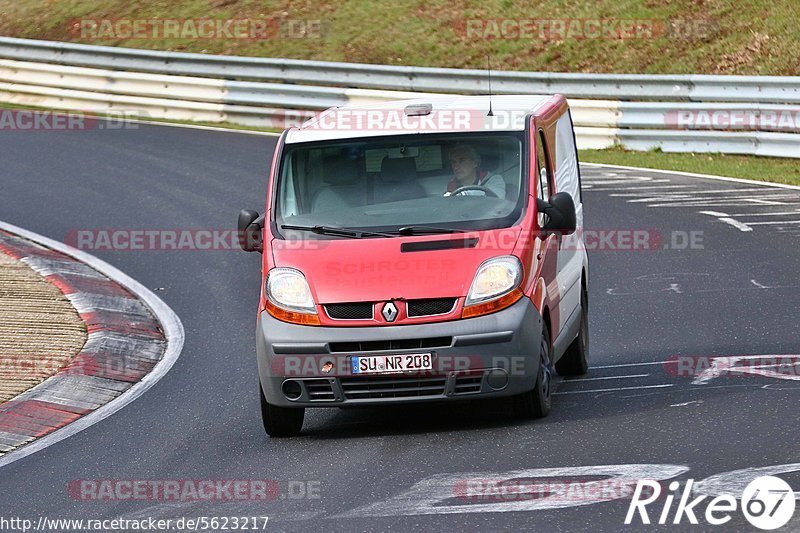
(560, 211)
(250, 226)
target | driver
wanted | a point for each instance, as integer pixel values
(465, 161)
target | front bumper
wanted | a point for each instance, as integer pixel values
(487, 356)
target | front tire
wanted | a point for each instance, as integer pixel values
(574, 362)
(536, 403)
(281, 421)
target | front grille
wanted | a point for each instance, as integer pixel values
(319, 390)
(468, 384)
(350, 311)
(396, 344)
(430, 306)
(400, 387)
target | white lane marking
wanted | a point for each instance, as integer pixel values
(571, 380)
(774, 222)
(779, 213)
(778, 365)
(735, 482)
(757, 284)
(613, 389)
(631, 181)
(632, 364)
(736, 202)
(701, 192)
(674, 287)
(728, 219)
(684, 404)
(695, 175)
(760, 201)
(764, 371)
(728, 364)
(712, 198)
(173, 331)
(642, 188)
(556, 488)
(699, 198)
(741, 226)
(621, 181)
(776, 386)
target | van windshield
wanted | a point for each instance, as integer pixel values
(457, 182)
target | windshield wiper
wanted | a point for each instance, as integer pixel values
(426, 230)
(338, 232)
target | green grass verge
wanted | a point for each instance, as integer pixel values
(777, 170)
(684, 36)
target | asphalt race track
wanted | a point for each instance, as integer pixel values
(722, 281)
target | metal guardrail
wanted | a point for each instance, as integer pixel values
(696, 88)
(636, 111)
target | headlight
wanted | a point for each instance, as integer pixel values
(495, 287)
(495, 277)
(287, 288)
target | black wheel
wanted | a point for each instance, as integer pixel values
(536, 403)
(574, 362)
(281, 421)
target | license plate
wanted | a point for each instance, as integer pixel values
(374, 364)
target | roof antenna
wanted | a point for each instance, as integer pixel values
(489, 68)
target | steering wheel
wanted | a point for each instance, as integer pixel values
(486, 190)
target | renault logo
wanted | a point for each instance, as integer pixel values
(389, 311)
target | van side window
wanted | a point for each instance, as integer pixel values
(542, 166)
(567, 173)
(544, 172)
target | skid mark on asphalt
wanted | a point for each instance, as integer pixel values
(690, 283)
(617, 379)
(664, 192)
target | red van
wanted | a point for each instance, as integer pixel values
(421, 250)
